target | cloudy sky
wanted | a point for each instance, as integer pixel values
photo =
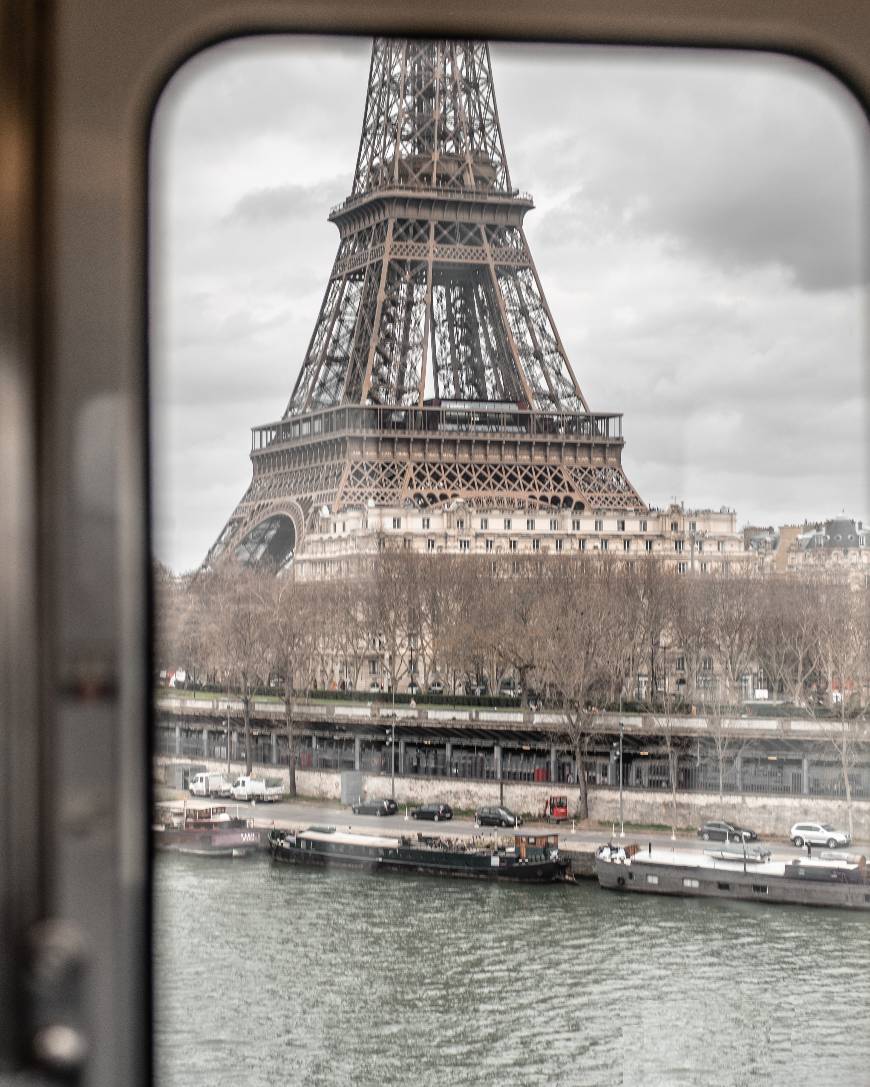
(698, 230)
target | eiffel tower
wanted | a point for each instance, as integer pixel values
(435, 371)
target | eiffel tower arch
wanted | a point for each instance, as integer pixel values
(435, 371)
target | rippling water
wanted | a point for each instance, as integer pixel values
(275, 975)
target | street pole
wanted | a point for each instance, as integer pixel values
(229, 773)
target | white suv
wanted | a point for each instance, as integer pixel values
(819, 834)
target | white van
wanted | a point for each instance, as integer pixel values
(209, 784)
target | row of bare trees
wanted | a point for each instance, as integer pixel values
(576, 630)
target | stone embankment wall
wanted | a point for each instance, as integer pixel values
(768, 815)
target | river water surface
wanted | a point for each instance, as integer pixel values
(274, 975)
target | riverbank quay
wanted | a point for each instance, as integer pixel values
(764, 763)
(770, 816)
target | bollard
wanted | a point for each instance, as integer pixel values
(406, 813)
(573, 826)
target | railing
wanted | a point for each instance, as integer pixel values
(484, 419)
(400, 188)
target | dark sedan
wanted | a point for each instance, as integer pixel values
(718, 831)
(387, 806)
(497, 817)
(435, 812)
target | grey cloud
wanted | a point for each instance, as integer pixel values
(283, 202)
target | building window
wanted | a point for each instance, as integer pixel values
(430, 544)
(604, 545)
(373, 668)
(674, 526)
(706, 664)
(576, 525)
(682, 567)
(484, 524)
(700, 545)
(681, 664)
(720, 546)
(536, 544)
(530, 524)
(678, 545)
(620, 526)
(489, 545)
(693, 526)
(626, 545)
(581, 545)
(515, 567)
(703, 568)
(512, 545)
(425, 524)
(643, 526)
(507, 524)
(599, 525)
(559, 545)
(397, 522)
(554, 524)
(463, 545)
(460, 524)
(647, 545)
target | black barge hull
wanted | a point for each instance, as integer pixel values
(425, 862)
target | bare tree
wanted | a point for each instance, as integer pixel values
(288, 638)
(573, 626)
(237, 614)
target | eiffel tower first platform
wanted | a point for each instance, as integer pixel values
(435, 372)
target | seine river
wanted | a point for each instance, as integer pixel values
(274, 975)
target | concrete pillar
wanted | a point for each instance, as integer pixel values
(234, 744)
(805, 776)
(205, 742)
(357, 752)
(274, 748)
(612, 769)
(178, 741)
(400, 769)
(448, 754)
(553, 766)
(496, 752)
(738, 772)
(313, 752)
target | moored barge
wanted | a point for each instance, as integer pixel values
(529, 858)
(205, 831)
(831, 879)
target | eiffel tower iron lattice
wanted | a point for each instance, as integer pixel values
(435, 370)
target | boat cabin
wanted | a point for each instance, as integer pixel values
(536, 847)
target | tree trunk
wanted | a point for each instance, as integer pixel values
(844, 763)
(583, 796)
(291, 746)
(246, 704)
(672, 764)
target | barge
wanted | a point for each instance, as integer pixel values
(529, 858)
(831, 879)
(205, 831)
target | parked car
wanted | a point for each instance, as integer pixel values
(718, 831)
(497, 817)
(436, 812)
(387, 806)
(819, 834)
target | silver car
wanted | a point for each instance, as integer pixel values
(819, 834)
